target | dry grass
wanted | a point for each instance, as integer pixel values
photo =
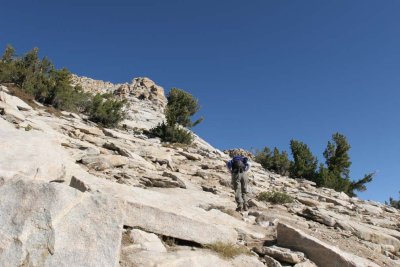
(228, 250)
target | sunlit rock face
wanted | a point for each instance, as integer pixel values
(146, 99)
(75, 194)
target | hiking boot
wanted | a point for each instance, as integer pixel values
(239, 208)
(245, 207)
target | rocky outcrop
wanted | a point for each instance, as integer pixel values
(146, 99)
(93, 86)
(319, 252)
(144, 89)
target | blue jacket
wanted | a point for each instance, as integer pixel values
(243, 159)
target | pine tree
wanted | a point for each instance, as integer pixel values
(275, 160)
(337, 174)
(8, 55)
(337, 157)
(181, 107)
(394, 203)
(7, 65)
(304, 162)
(264, 157)
(282, 163)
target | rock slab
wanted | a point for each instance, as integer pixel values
(50, 224)
(161, 213)
(317, 251)
(39, 158)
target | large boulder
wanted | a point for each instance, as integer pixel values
(282, 254)
(317, 251)
(88, 130)
(126, 151)
(144, 89)
(318, 215)
(103, 162)
(146, 241)
(51, 224)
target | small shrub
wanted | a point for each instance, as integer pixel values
(172, 134)
(275, 197)
(106, 111)
(227, 250)
(28, 128)
(304, 162)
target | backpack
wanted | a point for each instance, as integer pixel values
(238, 164)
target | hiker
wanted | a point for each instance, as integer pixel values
(238, 166)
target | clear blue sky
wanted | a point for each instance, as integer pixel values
(264, 71)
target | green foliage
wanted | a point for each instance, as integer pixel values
(9, 55)
(52, 87)
(7, 65)
(394, 203)
(304, 164)
(337, 157)
(325, 178)
(180, 108)
(275, 197)
(359, 185)
(106, 111)
(274, 160)
(28, 128)
(337, 173)
(172, 134)
(227, 250)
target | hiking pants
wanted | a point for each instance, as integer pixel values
(239, 181)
